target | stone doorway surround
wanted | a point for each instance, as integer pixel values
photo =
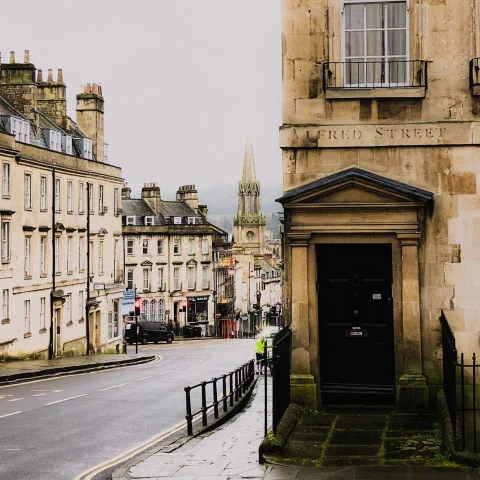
(355, 206)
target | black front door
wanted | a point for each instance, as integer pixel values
(356, 323)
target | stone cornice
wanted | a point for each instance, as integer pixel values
(299, 239)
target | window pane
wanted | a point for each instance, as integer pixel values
(354, 16)
(374, 14)
(375, 43)
(355, 71)
(396, 42)
(354, 44)
(396, 15)
(398, 70)
(375, 71)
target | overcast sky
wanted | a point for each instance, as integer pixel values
(184, 82)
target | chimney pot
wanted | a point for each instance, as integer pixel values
(12, 57)
(26, 58)
(60, 76)
(50, 75)
(39, 76)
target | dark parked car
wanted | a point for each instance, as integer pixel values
(148, 332)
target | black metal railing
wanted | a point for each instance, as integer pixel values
(375, 74)
(281, 358)
(233, 386)
(474, 72)
(460, 387)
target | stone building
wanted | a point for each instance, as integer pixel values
(168, 255)
(380, 142)
(61, 259)
(258, 280)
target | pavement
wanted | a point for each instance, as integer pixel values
(231, 452)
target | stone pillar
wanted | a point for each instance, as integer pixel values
(302, 385)
(412, 391)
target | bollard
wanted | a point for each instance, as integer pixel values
(188, 416)
(224, 381)
(124, 347)
(204, 404)
(215, 398)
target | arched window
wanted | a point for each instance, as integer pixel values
(144, 310)
(153, 311)
(161, 311)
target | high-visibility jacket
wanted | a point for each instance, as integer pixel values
(260, 347)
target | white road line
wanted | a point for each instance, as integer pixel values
(54, 391)
(38, 394)
(15, 399)
(10, 414)
(115, 386)
(66, 399)
(144, 378)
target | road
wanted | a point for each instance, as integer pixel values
(55, 429)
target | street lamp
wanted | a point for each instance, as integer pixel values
(259, 308)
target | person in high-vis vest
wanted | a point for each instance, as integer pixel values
(259, 353)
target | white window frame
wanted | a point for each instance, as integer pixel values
(6, 171)
(58, 187)
(145, 246)
(177, 246)
(176, 278)
(5, 231)
(28, 256)
(100, 199)
(365, 57)
(43, 193)
(55, 139)
(191, 277)
(21, 129)
(161, 310)
(177, 220)
(205, 246)
(130, 220)
(110, 325)
(205, 273)
(146, 278)
(191, 246)
(87, 148)
(67, 141)
(80, 252)
(26, 315)
(80, 305)
(92, 257)
(5, 303)
(81, 206)
(42, 313)
(191, 221)
(69, 255)
(130, 247)
(68, 308)
(90, 197)
(43, 255)
(57, 255)
(100, 257)
(130, 279)
(69, 196)
(161, 278)
(149, 220)
(28, 191)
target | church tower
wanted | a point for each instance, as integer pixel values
(249, 224)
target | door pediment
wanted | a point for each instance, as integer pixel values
(355, 186)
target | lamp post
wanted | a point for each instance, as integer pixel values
(259, 307)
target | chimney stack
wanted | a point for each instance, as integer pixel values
(189, 195)
(151, 194)
(90, 111)
(52, 97)
(126, 191)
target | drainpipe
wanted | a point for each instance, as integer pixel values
(87, 308)
(50, 345)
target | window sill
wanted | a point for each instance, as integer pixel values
(58, 274)
(81, 213)
(43, 210)
(69, 324)
(27, 335)
(7, 197)
(58, 211)
(70, 213)
(81, 320)
(69, 272)
(27, 277)
(42, 330)
(5, 321)
(28, 209)
(81, 271)
(5, 262)
(352, 93)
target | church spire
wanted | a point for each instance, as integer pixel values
(248, 163)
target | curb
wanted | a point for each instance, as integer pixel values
(59, 371)
(177, 440)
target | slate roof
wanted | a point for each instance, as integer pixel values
(356, 172)
(176, 209)
(136, 207)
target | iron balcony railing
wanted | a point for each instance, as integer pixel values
(375, 74)
(474, 72)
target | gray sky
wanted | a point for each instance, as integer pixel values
(184, 81)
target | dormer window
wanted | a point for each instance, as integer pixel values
(67, 144)
(85, 147)
(191, 220)
(149, 220)
(53, 139)
(21, 129)
(177, 220)
(130, 220)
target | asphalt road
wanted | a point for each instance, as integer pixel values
(55, 429)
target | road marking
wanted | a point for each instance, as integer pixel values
(4, 396)
(15, 399)
(144, 378)
(9, 449)
(66, 399)
(38, 394)
(10, 414)
(115, 386)
(54, 391)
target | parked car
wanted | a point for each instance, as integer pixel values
(148, 332)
